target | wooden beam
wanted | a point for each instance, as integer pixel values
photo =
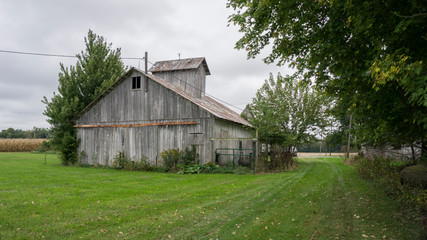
(135, 125)
(234, 139)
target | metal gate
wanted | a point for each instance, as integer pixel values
(236, 153)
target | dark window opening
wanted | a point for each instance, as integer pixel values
(136, 82)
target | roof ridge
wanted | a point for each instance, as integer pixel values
(180, 64)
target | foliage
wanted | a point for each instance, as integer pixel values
(322, 199)
(386, 173)
(370, 55)
(35, 133)
(45, 147)
(121, 161)
(68, 148)
(96, 69)
(171, 158)
(144, 165)
(277, 160)
(208, 168)
(287, 111)
(190, 156)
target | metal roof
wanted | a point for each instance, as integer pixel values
(180, 64)
(207, 103)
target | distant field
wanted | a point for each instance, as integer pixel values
(322, 199)
(19, 145)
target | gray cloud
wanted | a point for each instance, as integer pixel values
(164, 28)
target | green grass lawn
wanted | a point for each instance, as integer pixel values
(322, 199)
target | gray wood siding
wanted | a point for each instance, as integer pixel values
(126, 106)
(100, 145)
(228, 134)
(192, 81)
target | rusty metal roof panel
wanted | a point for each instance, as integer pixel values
(180, 64)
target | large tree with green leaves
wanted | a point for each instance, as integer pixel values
(370, 54)
(96, 69)
(287, 111)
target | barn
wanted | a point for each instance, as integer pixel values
(146, 112)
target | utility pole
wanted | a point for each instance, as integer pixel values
(146, 71)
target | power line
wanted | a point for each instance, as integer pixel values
(130, 58)
(56, 55)
(38, 54)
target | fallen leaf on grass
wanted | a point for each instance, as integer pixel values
(365, 236)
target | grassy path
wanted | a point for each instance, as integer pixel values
(322, 199)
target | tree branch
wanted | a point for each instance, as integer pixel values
(412, 16)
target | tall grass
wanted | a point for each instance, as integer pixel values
(386, 173)
(20, 145)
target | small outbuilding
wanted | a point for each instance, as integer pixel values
(143, 114)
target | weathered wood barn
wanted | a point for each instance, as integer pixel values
(143, 114)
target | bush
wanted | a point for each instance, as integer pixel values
(120, 161)
(386, 173)
(190, 156)
(68, 149)
(171, 159)
(276, 161)
(144, 165)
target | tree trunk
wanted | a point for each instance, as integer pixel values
(423, 156)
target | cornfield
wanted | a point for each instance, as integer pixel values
(20, 145)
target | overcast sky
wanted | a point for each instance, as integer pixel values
(163, 28)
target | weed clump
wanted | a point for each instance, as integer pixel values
(120, 161)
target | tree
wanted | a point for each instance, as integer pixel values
(370, 54)
(96, 69)
(287, 112)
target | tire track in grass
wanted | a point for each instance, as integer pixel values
(233, 216)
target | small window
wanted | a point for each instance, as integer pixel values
(136, 82)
